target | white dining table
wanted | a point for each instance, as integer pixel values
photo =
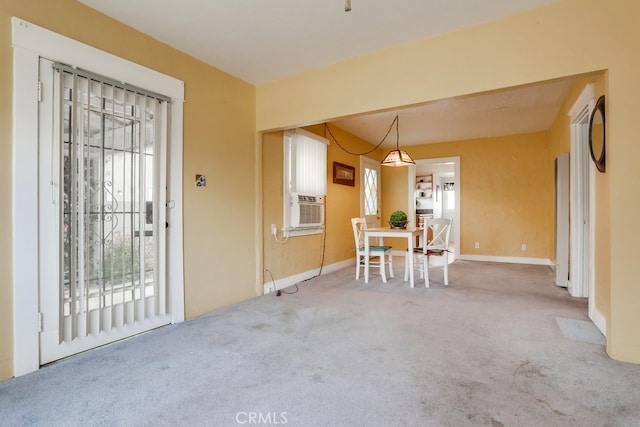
(381, 232)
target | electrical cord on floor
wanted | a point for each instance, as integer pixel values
(279, 292)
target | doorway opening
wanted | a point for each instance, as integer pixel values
(582, 207)
(442, 200)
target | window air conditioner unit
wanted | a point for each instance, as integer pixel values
(306, 211)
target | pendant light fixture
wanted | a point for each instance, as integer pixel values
(347, 5)
(397, 157)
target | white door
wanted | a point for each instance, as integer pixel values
(101, 211)
(562, 219)
(370, 191)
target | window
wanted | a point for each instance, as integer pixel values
(449, 195)
(305, 182)
(370, 191)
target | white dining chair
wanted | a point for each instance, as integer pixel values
(436, 234)
(381, 252)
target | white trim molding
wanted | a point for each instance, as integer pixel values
(31, 42)
(272, 286)
(508, 259)
(599, 320)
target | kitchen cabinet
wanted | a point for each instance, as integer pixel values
(424, 186)
(424, 198)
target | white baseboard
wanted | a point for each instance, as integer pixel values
(285, 282)
(507, 259)
(599, 320)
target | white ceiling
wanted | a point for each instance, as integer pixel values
(506, 112)
(263, 41)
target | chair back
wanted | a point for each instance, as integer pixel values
(358, 224)
(440, 231)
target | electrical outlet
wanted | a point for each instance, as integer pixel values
(201, 180)
(523, 247)
(477, 245)
(274, 229)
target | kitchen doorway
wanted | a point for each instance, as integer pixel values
(443, 201)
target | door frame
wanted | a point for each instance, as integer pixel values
(579, 277)
(456, 179)
(30, 42)
(581, 166)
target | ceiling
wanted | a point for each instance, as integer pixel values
(264, 41)
(506, 112)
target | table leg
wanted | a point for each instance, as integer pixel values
(410, 255)
(366, 258)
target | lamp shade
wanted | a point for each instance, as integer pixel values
(397, 158)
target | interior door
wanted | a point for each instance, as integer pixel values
(562, 219)
(370, 191)
(101, 202)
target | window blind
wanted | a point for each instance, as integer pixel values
(109, 81)
(305, 163)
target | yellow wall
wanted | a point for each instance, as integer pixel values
(305, 253)
(394, 187)
(570, 37)
(560, 131)
(506, 193)
(219, 118)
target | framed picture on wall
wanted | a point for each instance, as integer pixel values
(344, 174)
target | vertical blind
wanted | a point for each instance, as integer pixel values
(305, 163)
(109, 273)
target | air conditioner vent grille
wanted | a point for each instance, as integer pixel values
(310, 214)
(307, 211)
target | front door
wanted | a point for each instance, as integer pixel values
(101, 192)
(370, 191)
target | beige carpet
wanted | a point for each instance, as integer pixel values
(490, 350)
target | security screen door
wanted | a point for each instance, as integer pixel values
(102, 211)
